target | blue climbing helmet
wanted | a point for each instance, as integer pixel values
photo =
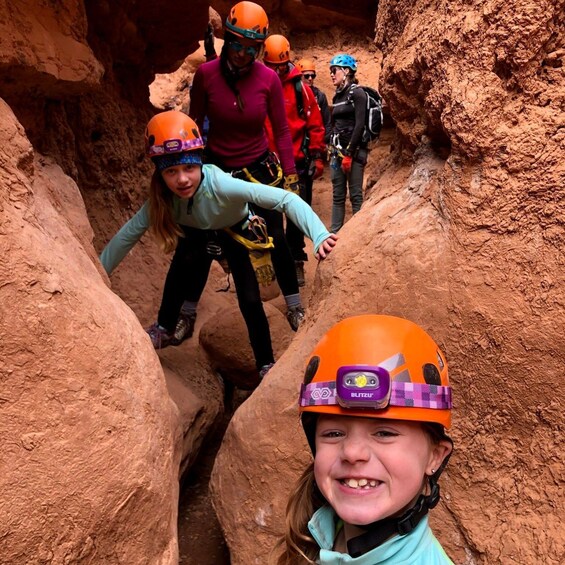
(344, 60)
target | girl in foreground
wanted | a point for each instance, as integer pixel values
(194, 205)
(374, 406)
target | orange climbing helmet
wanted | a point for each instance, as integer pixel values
(376, 366)
(277, 49)
(248, 19)
(172, 138)
(305, 65)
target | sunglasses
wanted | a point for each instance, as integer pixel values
(251, 50)
(277, 66)
(309, 75)
(333, 70)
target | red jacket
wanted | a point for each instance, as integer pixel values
(310, 121)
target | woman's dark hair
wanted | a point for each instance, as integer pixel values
(231, 75)
(351, 76)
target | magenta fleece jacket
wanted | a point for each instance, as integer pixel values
(237, 137)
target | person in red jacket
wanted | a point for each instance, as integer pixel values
(308, 69)
(306, 130)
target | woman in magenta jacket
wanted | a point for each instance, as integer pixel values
(237, 93)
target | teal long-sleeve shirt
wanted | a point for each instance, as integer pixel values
(419, 547)
(221, 201)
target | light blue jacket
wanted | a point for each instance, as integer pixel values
(419, 547)
(221, 201)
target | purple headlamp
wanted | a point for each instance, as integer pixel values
(175, 146)
(363, 387)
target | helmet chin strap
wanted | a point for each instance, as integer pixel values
(237, 71)
(378, 532)
(232, 74)
(381, 530)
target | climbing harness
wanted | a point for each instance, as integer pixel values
(254, 237)
(253, 233)
(335, 153)
(266, 170)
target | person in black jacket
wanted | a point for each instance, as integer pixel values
(347, 151)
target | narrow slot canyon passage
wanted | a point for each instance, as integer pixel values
(200, 537)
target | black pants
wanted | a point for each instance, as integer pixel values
(294, 236)
(187, 278)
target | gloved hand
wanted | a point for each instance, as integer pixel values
(291, 183)
(209, 43)
(319, 168)
(346, 164)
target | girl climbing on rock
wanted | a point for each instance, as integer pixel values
(195, 208)
(236, 92)
(374, 406)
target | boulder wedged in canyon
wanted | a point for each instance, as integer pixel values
(197, 393)
(226, 341)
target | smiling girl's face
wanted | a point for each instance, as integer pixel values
(370, 468)
(183, 180)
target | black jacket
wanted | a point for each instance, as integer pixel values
(326, 112)
(348, 119)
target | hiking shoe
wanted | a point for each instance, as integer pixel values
(264, 370)
(299, 265)
(184, 328)
(160, 337)
(295, 317)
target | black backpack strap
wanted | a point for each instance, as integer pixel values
(299, 92)
(350, 93)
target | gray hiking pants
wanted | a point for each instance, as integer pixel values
(340, 181)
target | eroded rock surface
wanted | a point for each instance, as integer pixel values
(91, 439)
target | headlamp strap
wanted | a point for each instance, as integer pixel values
(378, 532)
(249, 33)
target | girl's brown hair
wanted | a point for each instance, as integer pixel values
(164, 227)
(298, 547)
